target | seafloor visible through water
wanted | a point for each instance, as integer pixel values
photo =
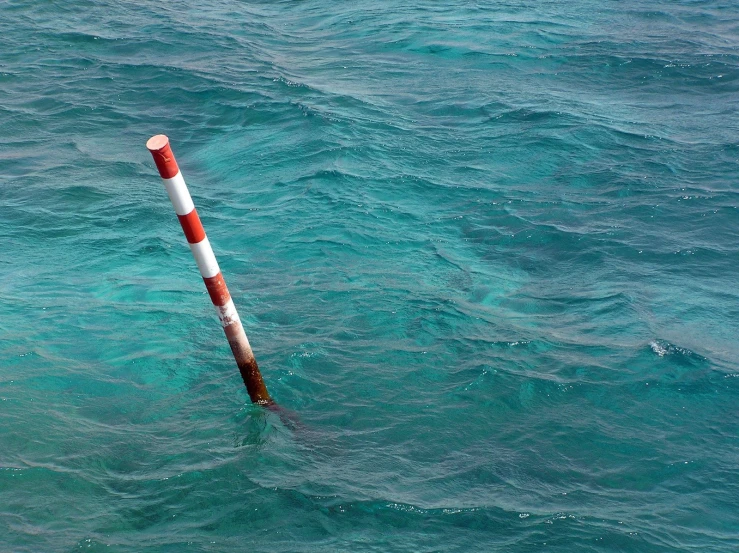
(487, 253)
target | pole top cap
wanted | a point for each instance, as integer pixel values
(163, 157)
(157, 142)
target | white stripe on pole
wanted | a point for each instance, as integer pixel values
(205, 258)
(179, 195)
(227, 314)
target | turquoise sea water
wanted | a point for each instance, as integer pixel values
(486, 252)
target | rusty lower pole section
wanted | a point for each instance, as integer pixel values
(205, 258)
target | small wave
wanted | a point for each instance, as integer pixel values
(677, 354)
(664, 348)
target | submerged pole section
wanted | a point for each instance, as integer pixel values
(205, 258)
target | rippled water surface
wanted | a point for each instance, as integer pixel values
(486, 253)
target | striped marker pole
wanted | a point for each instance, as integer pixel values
(205, 258)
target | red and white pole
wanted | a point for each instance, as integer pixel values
(205, 258)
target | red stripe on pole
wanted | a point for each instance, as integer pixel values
(163, 157)
(192, 227)
(217, 290)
